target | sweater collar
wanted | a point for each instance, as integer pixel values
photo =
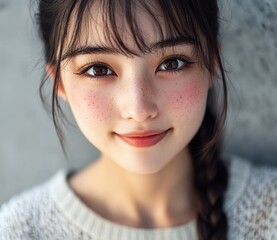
(96, 226)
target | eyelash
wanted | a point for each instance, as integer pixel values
(186, 63)
(84, 71)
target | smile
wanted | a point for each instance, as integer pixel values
(143, 139)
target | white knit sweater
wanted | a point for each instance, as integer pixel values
(53, 212)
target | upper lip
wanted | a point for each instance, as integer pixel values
(142, 133)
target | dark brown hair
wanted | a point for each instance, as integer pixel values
(195, 20)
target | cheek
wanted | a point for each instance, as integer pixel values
(90, 107)
(189, 98)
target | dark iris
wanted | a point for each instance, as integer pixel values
(99, 70)
(171, 64)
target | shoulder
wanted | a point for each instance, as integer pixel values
(23, 215)
(251, 200)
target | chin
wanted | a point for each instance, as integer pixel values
(149, 171)
(143, 166)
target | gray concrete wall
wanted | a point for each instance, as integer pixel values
(250, 49)
(29, 149)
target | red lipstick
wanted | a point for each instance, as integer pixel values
(143, 139)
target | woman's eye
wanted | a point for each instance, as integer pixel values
(97, 70)
(173, 64)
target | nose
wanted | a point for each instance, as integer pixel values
(139, 102)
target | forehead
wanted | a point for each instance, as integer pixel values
(132, 27)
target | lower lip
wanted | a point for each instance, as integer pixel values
(144, 141)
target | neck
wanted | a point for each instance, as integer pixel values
(154, 200)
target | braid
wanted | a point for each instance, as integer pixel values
(211, 178)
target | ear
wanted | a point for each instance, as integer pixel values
(50, 69)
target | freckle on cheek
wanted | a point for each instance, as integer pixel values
(187, 98)
(95, 108)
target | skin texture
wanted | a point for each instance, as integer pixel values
(137, 96)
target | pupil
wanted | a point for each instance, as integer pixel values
(171, 64)
(100, 70)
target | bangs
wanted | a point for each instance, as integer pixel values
(172, 20)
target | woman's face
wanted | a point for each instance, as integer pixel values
(139, 111)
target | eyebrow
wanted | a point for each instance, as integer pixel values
(85, 50)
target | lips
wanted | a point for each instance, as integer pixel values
(143, 139)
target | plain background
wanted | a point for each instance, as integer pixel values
(29, 149)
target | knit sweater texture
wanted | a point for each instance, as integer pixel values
(52, 211)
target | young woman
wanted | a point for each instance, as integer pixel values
(140, 77)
